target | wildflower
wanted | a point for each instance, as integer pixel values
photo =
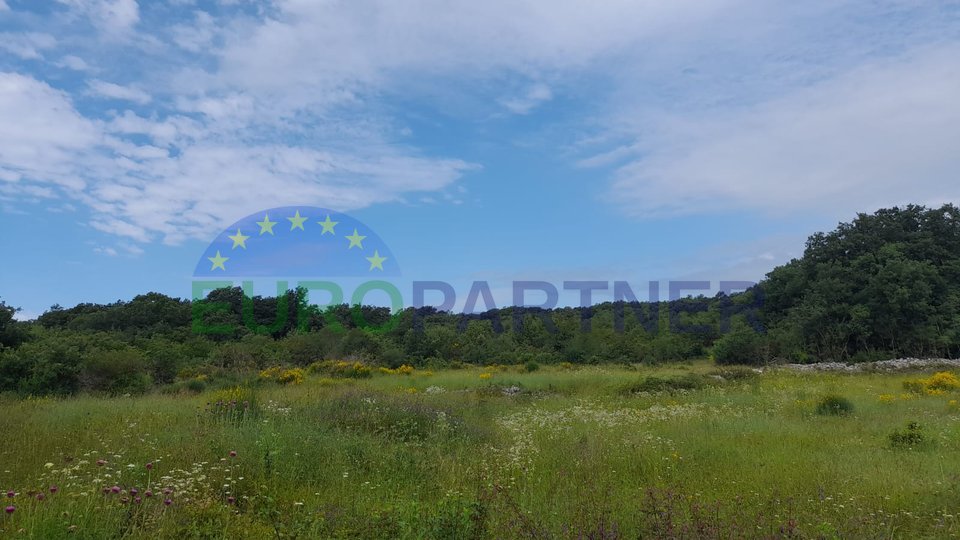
(486, 375)
(167, 502)
(54, 489)
(115, 489)
(11, 509)
(101, 462)
(40, 496)
(233, 453)
(231, 500)
(11, 494)
(124, 500)
(148, 493)
(134, 491)
(137, 500)
(149, 466)
(48, 465)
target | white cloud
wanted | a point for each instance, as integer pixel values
(116, 91)
(74, 62)
(4, 6)
(41, 133)
(26, 45)
(884, 133)
(115, 18)
(530, 99)
(199, 35)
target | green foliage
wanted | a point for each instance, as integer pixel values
(885, 285)
(531, 366)
(674, 383)
(742, 346)
(834, 405)
(909, 438)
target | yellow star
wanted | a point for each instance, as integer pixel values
(239, 240)
(328, 226)
(296, 222)
(376, 261)
(218, 262)
(355, 240)
(266, 226)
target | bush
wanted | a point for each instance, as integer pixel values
(742, 346)
(116, 372)
(912, 437)
(341, 369)
(670, 384)
(735, 373)
(834, 405)
(196, 385)
(291, 376)
(531, 366)
(938, 383)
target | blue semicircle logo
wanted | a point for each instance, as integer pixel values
(297, 241)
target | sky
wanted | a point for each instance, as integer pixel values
(496, 140)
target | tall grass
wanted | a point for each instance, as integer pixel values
(596, 452)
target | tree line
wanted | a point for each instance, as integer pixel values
(882, 286)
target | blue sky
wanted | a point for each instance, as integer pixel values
(497, 140)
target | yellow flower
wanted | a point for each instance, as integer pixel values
(486, 375)
(887, 398)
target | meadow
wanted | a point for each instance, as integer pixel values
(679, 451)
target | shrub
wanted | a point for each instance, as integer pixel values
(196, 385)
(291, 376)
(936, 384)
(735, 373)
(271, 374)
(674, 383)
(742, 346)
(834, 405)
(531, 366)
(342, 369)
(911, 437)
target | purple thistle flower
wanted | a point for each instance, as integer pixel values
(11, 509)
(101, 462)
(167, 502)
(11, 494)
(40, 496)
(134, 491)
(233, 453)
(231, 500)
(137, 500)
(148, 493)
(115, 489)
(150, 466)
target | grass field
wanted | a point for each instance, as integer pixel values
(595, 452)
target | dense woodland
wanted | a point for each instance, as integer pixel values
(885, 285)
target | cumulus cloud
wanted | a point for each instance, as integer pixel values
(693, 105)
(26, 45)
(530, 99)
(115, 18)
(116, 91)
(883, 133)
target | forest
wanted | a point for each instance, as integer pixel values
(885, 285)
